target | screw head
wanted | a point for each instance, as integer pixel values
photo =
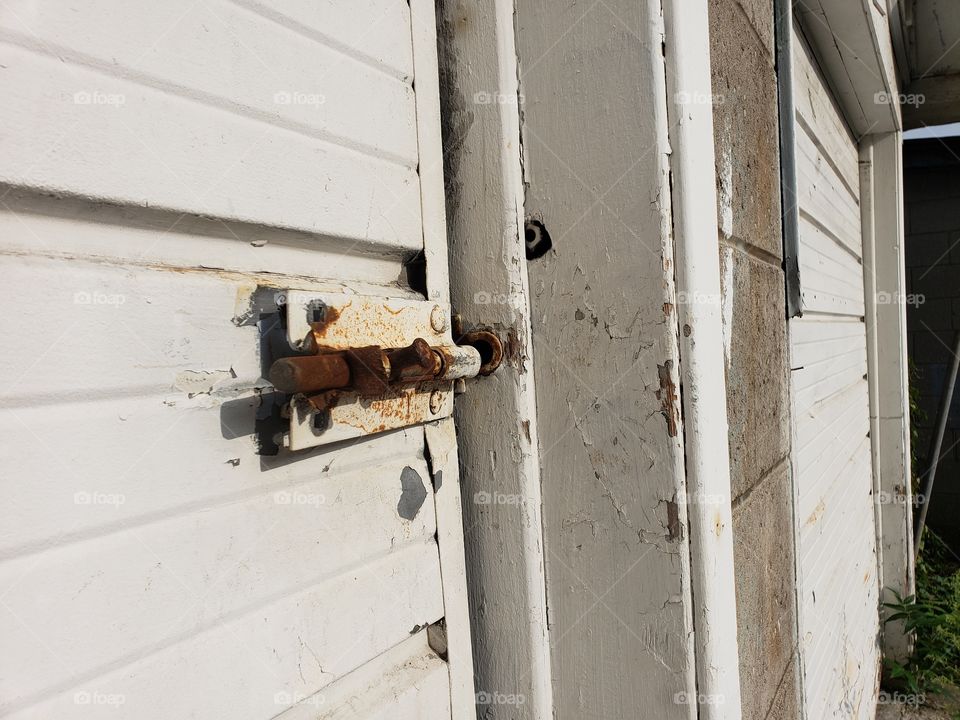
(438, 319)
(436, 401)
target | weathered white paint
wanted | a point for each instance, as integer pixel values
(407, 681)
(178, 166)
(870, 318)
(441, 442)
(596, 159)
(934, 26)
(885, 278)
(838, 618)
(702, 358)
(497, 422)
(853, 42)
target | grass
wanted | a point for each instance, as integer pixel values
(934, 616)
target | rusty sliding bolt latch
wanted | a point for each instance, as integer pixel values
(372, 371)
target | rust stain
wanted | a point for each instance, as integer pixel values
(324, 401)
(815, 515)
(514, 351)
(673, 520)
(398, 408)
(488, 344)
(667, 394)
(330, 316)
(394, 312)
(718, 525)
(526, 429)
(667, 309)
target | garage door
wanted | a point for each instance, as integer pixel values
(185, 187)
(837, 564)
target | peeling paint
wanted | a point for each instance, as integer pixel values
(412, 495)
(673, 521)
(514, 350)
(198, 382)
(243, 307)
(667, 394)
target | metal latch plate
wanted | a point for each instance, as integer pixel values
(338, 322)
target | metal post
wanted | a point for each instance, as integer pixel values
(936, 442)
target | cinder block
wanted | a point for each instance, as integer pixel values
(930, 380)
(766, 607)
(746, 130)
(934, 215)
(924, 249)
(760, 16)
(934, 313)
(945, 505)
(938, 281)
(953, 241)
(758, 409)
(931, 183)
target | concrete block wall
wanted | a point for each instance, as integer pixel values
(932, 198)
(758, 407)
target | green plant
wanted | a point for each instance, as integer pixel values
(933, 615)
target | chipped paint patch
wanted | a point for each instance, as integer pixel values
(198, 382)
(673, 520)
(243, 306)
(412, 493)
(667, 394)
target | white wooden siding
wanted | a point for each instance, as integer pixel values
(160, 163)
(832, 460)
(186, 105)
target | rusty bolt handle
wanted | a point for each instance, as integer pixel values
(371, 370)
